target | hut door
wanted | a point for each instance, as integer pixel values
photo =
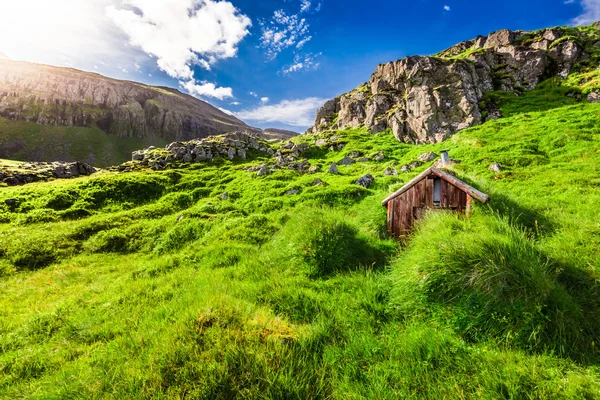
(437, 192)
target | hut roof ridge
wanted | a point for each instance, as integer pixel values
(470, 190)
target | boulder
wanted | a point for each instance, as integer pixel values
(428, 157)
(346, 161)
(138, 155)
(300, 148)
(263, 171)
(366, 180)
(333, 169)
(314, 169)
(495, 167)
(390, 172)
(594, 97)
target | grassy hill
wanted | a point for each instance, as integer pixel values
(60, 143)
(148, 284)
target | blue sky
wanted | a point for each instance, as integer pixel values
(270, 63)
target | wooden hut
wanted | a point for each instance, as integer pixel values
(431, 190)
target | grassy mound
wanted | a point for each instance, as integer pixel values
(327, 243)
(149, 284)
(91, 145)
(489, 282)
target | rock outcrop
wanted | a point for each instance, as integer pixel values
(13, 174)
(230, 146)
(428, 99)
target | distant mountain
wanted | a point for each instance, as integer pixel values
(131, 113)
(4, 57)
(274, 133)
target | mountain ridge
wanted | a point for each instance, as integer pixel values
(52, 96)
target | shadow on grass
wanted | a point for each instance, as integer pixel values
(533, 221)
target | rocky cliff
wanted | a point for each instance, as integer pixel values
(428, 99)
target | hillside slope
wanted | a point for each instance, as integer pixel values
(68, 98)
(211, 280)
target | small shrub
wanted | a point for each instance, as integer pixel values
(6, 268)
(222, 255)
(179, 235)
(33, 255)
(39, 216)
(76, 212)
(60, 200)
(254, 229)
(114, 240)
(327, 243)
(298, 305)
(177, 201)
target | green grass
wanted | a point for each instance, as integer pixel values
(148, 285)
(29, 141)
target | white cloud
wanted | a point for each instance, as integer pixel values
(61, 31)
(302, 42)
(590, 14)
(235, 103)
(120, 36)
(306, 62)
(226, 111)
(204, 64)
(264, 100)
(284, 31)
(290, 112)
(180, 33)
(206, 89)
(447, 8)
(305, 6)
(254, 94)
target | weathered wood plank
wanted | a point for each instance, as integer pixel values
(444, 194)
(429, 192)
(462, 201)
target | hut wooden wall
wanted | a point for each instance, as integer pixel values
(412, 205)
